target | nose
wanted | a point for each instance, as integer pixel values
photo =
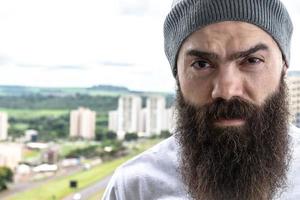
(228, 83)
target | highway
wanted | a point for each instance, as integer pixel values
(90, 191)
(20, 187)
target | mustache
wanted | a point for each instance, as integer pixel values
(235, 108)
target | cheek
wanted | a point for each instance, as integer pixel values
(260, 87)
(196, 92)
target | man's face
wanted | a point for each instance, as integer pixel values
(229, 59)
(232, 113)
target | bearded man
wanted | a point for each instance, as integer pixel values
(233, 140)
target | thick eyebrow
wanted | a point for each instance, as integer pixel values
(237, 55)
(202, 54)
(250, 51)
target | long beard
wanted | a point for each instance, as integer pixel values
(234, 163)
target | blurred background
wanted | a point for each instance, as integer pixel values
(85, 86)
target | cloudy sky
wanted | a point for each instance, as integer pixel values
(80, 43)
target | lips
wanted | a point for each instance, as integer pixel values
(230, 122)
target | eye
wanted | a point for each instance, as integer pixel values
(253, 60)
(201, 64)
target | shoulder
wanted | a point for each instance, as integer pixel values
(294, 132)
(293, 180)
(163, 152)
(152, 166)
(150, 175)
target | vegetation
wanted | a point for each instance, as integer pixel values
(60, 187)
(51, 124)
(165, 134)
(29, 113)
(37, 102)
(49, 127)
(47, 109)
(31, 154)
(131, 136)
(6, 176)
(98, 150)
(95, 90)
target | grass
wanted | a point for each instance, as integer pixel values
(29, 154)
(60, 187)
(21, 126)
(29, 113)
(67, 147)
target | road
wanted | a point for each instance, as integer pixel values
(20, 187)
(87, 192)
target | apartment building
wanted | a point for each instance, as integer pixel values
(128, 114)
(82, 123)
(293, 82)
(3, 125)
(147, 121)
(155, 110)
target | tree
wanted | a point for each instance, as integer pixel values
(111, 135)
(131, 136)
(6, 175)
(165, 134)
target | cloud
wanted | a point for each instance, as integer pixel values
(67, 67)
(116, 64)
(133, 7)
(49, 67)
(4, 60)
(141, 8)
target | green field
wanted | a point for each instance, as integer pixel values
(30, 154)
(29, 113)
(50, 123)
(67, 147)
(59, 188)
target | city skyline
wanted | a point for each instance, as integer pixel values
(85, 43)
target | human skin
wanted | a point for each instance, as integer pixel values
(229, 59)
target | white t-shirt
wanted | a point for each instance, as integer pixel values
(154, 174)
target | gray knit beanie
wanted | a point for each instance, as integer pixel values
(187, 16)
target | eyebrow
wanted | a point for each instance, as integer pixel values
(237, 55)
(242, 54)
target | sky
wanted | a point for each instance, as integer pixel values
(82, 43)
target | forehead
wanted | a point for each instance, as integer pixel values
(227, 37)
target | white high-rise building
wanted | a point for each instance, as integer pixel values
(113, 120)
(169, 119)
(131, 117)
(293, 82)
(129, 108)
(142, 122)
(3, 125)
(155, 115)
(82, 123)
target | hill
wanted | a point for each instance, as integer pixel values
(101, 98)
